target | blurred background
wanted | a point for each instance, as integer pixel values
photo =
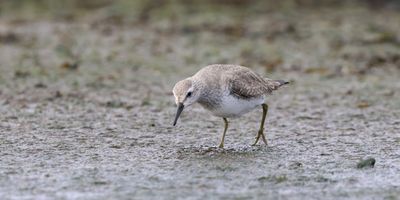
(86, 103)
(330, 38)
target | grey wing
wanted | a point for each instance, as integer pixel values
(247, 84)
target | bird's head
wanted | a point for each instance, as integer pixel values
(185, 94)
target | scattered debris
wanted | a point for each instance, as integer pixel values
(363, 104)
(70, 66)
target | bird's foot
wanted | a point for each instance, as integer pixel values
(260, 134)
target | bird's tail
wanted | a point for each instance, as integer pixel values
(274, 84)
(281, 82)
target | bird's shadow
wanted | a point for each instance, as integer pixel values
(212, 151)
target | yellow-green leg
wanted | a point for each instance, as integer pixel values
(261, 131)
(221, 145)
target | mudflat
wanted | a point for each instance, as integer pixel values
(87, 109)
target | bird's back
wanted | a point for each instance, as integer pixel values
(240, 81)
(220, 70)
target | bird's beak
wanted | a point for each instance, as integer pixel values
(178, 112)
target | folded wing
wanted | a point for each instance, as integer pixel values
(247, 84)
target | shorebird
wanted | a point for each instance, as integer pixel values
(228, 91)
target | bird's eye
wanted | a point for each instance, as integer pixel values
(189, 94)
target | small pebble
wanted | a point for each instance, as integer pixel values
(366, 163)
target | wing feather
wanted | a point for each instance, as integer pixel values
(244, 83)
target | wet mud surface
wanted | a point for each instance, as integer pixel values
(87, 110)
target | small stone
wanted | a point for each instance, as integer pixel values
(115, 146)
(366, 163)
(40, 85)
(296, 165)
(100, 182)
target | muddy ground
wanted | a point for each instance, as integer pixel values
(87, 109)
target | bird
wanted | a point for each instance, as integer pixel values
(227, 91)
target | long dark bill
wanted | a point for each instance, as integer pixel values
(178, 112)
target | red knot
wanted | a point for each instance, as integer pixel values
(227, 91)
